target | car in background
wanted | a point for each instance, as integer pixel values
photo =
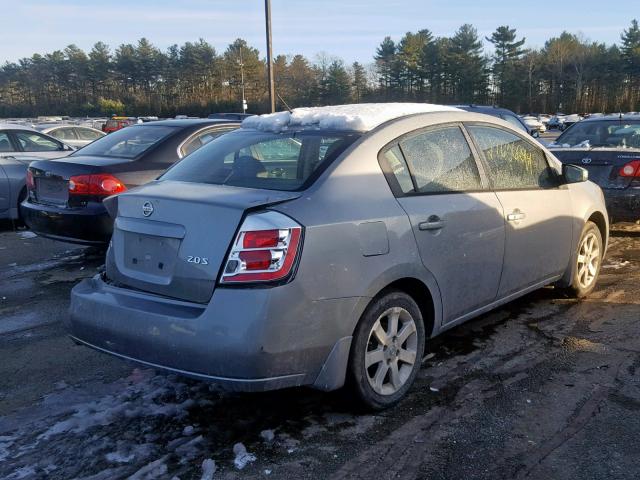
(13, 190)
(534, 125)
(75, 135)
(609, 148)
(65, 196)
(544, 119)
(18, 141)
(328, 245)
(503, 113)
(556, 122)
(229, 116)
(569, 120)
(116, 123)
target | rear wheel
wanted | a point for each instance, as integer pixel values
(588, 261)
(387, 350)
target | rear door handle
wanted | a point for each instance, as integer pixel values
(516, 215)
(434, 222)
(9, 157)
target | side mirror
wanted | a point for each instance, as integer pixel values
(535, 134)
(574, 174)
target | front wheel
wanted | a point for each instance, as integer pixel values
(388, 345)
(588, 261)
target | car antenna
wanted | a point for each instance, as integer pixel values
(285, 103)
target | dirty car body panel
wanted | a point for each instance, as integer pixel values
(359, 233)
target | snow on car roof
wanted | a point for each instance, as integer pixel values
(360, 117)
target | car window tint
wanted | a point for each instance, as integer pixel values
(441, 161)
(128, 142)
(5, 144)
(513, 162)
(87, 134)
(35, 142)
(399, 169)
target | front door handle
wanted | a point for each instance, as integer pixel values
(434, 222)
(516, 215)
(9, 157)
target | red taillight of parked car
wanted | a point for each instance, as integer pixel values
(631, 169)
(31, 184)
(100, 185)
(263, 254)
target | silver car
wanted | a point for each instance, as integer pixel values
(325, 246)
(20, 145)
(77, 136)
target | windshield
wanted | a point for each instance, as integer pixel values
(129, 142)
(605, 133)
(255, 159)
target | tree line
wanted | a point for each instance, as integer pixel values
(569, 73)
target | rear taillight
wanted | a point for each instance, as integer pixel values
(631, 169)
(31, 184)
(101, 185)
(265, 249)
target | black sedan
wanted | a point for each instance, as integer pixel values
(609, 148)
(65, 196)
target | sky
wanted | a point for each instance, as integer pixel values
(349, 29)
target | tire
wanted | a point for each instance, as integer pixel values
(588, 261)
(394, 354)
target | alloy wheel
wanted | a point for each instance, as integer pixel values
(391, 351)
(588, 260)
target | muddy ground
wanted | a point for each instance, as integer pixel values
(545, 387)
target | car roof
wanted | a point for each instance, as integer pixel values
(188, 122)
(15, 126)
(483, 108)
(612, 118)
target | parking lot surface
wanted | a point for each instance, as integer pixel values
(545, 387)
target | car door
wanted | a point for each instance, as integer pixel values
(537, 207)
(456, 219)
(35, 144)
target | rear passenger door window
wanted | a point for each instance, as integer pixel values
(513, 162)
(35, 142)
(441, 161)
(200, 139)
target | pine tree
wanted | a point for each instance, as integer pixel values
(508, 51)
(360, 84)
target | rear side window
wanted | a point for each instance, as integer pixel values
(398, 168)
(5, 144)
(200, 139)
(86, 134)
(255, 159)
(441, 161)
(513, 162)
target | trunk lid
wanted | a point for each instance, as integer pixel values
(51, 177)
(171, 238)
(603, 164)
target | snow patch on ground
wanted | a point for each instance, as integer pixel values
(616, 265)
(208, 469)
(360, 117)
(242, 456)
(27, 234)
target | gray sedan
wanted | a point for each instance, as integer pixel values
(325, 246)
(75, 135)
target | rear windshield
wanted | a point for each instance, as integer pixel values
(129, 142)
(605, 133)
(255, 159)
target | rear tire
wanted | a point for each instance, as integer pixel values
(387, 349)
(588, 261)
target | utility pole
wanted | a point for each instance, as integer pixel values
(244, 101)
(272, 95)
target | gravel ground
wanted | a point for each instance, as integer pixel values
(545, 387)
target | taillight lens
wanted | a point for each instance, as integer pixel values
(264, 250)
(631, 169)
(31, 184)
(101, 185)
